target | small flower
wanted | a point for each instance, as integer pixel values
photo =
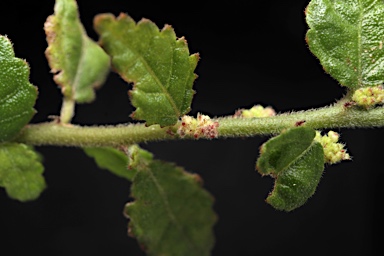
(202, 126)
(369, 96)
(334, 152)
(255, 111)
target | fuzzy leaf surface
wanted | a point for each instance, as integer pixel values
(158, 64)
(21, 171)
(296, 162)
(79, 64)
(17, 95)
(348, 37)
(172, 214)
(113, 160)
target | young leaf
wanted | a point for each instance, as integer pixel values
(113, 160)
(21, 171)
(347, 37)
(296, 161)
(172, 214)
(159, 65)
(17, 95)
(79, 64)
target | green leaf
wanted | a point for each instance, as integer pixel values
(172, 214)
(79, 64)
(21, 171)
(347, 37)
(158, 64)
(113, 160)
(17, 95)
(296, 161)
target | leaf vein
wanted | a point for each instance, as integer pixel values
(360, 46)
(10, 95)
(14, 117)
(160, 84)
(168, 208)
(299, 156)
(79, 64)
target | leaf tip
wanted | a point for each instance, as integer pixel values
(306, 11)
(6, 49)
(182, 40)
(196, 56)
(167, 27)
(127, 208)
(197, 178)
(101, 18)
(306, 39)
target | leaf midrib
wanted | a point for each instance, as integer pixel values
(297, 158)
(158, 82)
(168, 208)
(79, 64)
(360, 46)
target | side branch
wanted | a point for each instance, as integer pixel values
(336, 116)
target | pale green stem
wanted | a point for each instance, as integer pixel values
(335, 116)
(67, 110)
(323, 118)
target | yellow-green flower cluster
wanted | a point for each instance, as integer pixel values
(202, 126)
(256, 111)
(334, 152)
(369, 96)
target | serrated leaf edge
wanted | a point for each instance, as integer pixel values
(195, 56)
(32, 111)
(198, 181)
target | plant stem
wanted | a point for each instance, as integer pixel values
(67, 110)
(336, 116)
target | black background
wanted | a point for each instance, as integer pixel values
(251, 52)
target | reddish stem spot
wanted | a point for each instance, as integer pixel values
(349, 104)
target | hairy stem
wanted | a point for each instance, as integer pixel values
(323, 118)
(336, 116)
(67, 110)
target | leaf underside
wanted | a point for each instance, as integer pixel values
(111, 159)
(158, 64)
(296, 162)
(172, 214)
(348, 38)
(21, 171)
(79, 64)
(17, 95)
